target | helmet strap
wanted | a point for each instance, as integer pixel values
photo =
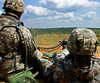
(96, 45)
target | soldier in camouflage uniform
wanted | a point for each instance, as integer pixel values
(16, 41)
(80, 65)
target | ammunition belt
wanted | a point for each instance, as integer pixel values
(50, 49)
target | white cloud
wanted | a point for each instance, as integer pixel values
(70, 14)
(39, 11)
(76, 19)
(90, 15)
(68, 5)
(43, 1)
(64, 19)
(1, 12)
(62, 11)
(60, 15)
(87, 17)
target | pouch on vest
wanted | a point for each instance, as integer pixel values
(21, 77)
(25, 76)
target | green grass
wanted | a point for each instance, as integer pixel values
(52, 39)
(99, 41)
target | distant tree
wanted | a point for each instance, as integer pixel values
(33, 32)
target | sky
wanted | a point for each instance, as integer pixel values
(60, 13)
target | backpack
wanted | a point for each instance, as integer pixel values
(24, 76)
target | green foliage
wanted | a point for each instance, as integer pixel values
(97, 31)
(50, 39)
(51, 36)
(54, 30)
(99, 41)
(21, 77)
(33, 31)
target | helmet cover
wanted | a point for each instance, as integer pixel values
(15, 5)
(82, 41)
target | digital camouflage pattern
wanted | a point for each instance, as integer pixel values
(82, 42)
(65, 68)
(15, 5)
(12, 45)
(16, 42)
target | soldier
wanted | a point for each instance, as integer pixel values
(16, 42)
(80, 65)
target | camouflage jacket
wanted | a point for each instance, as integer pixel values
(15, 40)
(64, 70)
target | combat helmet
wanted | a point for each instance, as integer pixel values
(15, 5)
(82, 41)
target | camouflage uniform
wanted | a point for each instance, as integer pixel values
(65, 68)
(12, 46)
(16, 41)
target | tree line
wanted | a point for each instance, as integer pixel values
(40, 31)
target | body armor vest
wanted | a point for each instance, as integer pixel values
(11, 40)
(76, 75)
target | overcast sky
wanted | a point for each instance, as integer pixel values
(60, 13)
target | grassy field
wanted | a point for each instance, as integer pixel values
(50, 39)
(53, 39)
(52, 36)
(47, 40)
